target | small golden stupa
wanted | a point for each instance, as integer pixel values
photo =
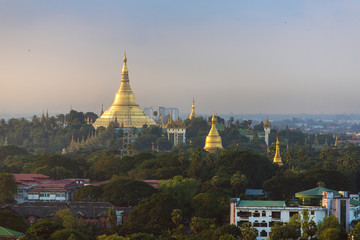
(277, 157)
(124, 109)
(192, 114)
(267, 123)
(213, 139)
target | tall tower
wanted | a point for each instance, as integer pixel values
(213, 139)
(277, 157)
(267, 129)
(124, 107)
(192, 114)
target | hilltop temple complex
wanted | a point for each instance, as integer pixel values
(124, 109)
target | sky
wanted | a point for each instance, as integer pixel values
(272, 57)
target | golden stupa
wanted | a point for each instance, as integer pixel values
(277, 157)
(124, 109)
(267, 123)
(213, 139)
(192, 114)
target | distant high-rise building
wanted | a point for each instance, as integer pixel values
(161, 112)
(124, 107)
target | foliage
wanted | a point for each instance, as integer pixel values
(88, 194)
(199, 224)
(13, 221)
(354, 233)
(65, 234)
(330, 228)
(181, 189)
(66, 218)
(42, 230)
(248, 232)
(7, 188)
(154, 210)
(126, 192)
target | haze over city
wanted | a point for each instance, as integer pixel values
(236, 56)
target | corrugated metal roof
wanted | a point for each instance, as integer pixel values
(5, 232)
(261, 203)
(354, 202)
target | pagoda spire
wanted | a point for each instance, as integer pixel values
(213, 139)
(277, 157)
(192, 114)
(124, 106)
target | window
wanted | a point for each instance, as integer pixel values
(312, 212)
(263, 233)
(263, 224)
(292, 213)
(276, 215)
(240, 223)
(256, 224)
(263, 214)
(243, 214)
(256, 214)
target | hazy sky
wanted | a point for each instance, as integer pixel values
(231, 56)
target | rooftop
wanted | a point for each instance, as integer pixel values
(5, 232)
(261, 203)
(315, 192)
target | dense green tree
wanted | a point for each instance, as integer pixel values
(66, 218)
(354, 233)
(126, 192)
(12, 220)
(248, 232)
(67, 233)
(154, 210)
(199, 224)
(88, 194)
(181, 189)
(8, 188)
(330, 228)
(42, 230)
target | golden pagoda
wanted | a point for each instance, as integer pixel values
(277, 157)
(213, 139)
(267, 123)
(124, 108)
(192, 114)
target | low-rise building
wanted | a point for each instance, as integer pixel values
(86, 212)
(319, 202)
(262, 214)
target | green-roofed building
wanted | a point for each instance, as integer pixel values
(6, 233)
(262, 214)
(314, 196)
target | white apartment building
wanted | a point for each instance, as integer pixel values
(263, 214)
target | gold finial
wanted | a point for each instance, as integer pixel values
(277, 157)
(213, 119)
(125, 69)
(125, 59)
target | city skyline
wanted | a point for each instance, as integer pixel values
(241, 57)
